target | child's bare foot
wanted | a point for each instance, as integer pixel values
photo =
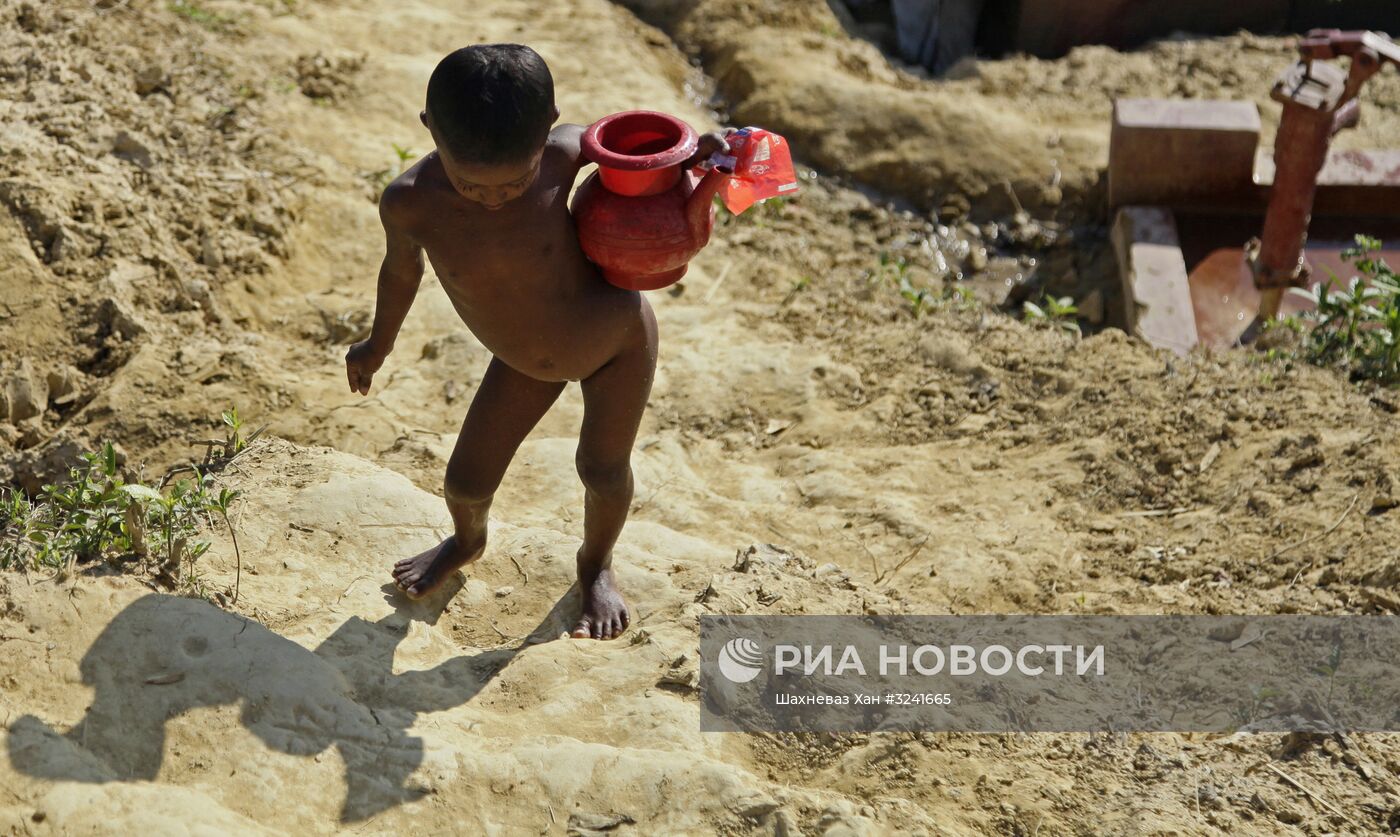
(420, 575)
(604, 612)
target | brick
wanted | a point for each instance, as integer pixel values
(1182, 153)
(1156, 292)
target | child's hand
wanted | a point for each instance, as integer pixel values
(709, 143)
(361, 362)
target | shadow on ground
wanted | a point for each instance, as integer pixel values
(165, 655)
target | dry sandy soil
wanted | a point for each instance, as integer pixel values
(189, 193)
(1033, 126)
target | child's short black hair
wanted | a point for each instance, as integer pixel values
(492, 103)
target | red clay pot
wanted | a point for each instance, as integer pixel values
(640, 217)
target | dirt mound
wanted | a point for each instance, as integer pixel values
(848, 109)
(138, 184)
(988, 128)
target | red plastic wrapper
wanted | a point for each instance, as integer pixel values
(762, 166)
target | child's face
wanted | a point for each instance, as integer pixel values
(492, 186)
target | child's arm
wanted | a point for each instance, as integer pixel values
(399, 276)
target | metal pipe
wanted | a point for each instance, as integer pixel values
(1319, 99)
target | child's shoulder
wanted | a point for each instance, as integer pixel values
(566, 140)
(407, 194)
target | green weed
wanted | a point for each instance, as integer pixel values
(233, 442)
(960, 297)
(381, 179)
(1356, 327)
(279, 8)
(797, 287)
(196, 13)
(1261, 701)
(894, 271)
(768, 210)
(1328, 669)
(1059, 313)
(102, 514)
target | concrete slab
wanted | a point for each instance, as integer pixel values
(1156, 291)
(1182, 153)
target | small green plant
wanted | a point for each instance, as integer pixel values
(960, 297)
(894, 270)
(1279, 338)
(100, 513)
(1278, 348)
(918, 298)
(1059, 313)
(797, 287)
(233, 441)
(221, 504)
(382, 178)
(1356, 327)
(1328, 669)
(279, 8)
(219, 453)
(96, 514)
(1261, 700)
(891, 268)
(196, 13)
(768, 210)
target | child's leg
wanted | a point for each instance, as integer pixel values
(506, 407)
(614, 398)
